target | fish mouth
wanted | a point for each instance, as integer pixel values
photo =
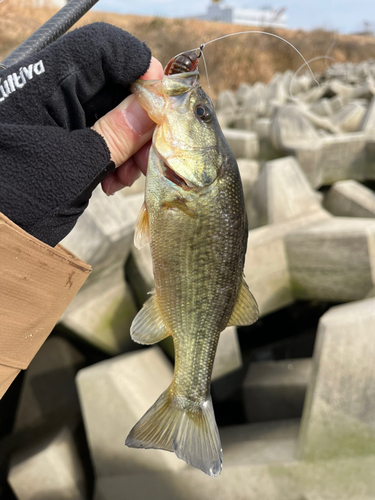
(176, 179)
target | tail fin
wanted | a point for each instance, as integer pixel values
(193, 436)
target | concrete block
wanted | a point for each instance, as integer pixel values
(350, 199)
(263, 128)
(227, 369)
(266, 265)
(332, 259)
(287, 77)
(228, 355)
(315, 94)
(291, 130)
(347, 91)
(104, 233)
(259, 443)
(259, 463)
(266, 268)
(282, 192)
(226, 117)
(344, 157)
(322, 107)
(266, 148)
(309, 158)
(226, 99)
(243, 144)
(245, 448)
(368, 125)
(114, 395)
(324, 160)
(275, 390)
(243, 91)
(249, 171)
(139, 273)
(48, 393)
(302, 84)
(245, 121)
(350, 117)
(48, 470)
(274, 95)
(256, 101)
(320, 123)
(338, 418)
(336, 103)
(102, 312)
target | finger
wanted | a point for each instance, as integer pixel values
(141, 157)
(125, 129)
(124, 176)
(154, 72)
(128, 172)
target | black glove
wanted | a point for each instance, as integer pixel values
(50, 162)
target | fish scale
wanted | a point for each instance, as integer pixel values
(198, 277)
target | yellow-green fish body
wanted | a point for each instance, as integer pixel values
(195, 221)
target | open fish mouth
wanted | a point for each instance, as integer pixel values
(176, 179)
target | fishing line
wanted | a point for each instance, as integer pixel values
(302, 66)
(205, 68)
(332, 45)
(203, 45)
(330, 48)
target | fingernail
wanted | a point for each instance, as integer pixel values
(137, 118)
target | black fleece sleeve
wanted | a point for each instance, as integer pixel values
(50, 161)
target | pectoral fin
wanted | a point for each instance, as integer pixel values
(246, 310)
(179, 204)
(148, 326)
(142, 228)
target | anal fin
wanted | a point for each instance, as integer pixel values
(246, 310)
(148, 326)
(142, 228)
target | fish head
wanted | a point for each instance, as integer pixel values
(187, 139)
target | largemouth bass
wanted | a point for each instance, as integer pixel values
(195, 221)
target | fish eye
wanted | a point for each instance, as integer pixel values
(203, 112)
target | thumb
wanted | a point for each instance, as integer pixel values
(125, 129)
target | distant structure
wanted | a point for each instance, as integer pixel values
(48, 3)
(266, 17)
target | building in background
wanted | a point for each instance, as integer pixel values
(48, 3)
(266, 17)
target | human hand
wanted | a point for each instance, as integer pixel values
(128, 135)
(50, 158)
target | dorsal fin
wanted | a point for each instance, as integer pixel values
(246, 310)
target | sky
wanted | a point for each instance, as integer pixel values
(344, 16)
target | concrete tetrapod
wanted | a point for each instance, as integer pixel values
(332, 259)
(350, 199)
(282, 192)
(48, 470)
(103, 310)
(114, 394)
(338, 418)
(259, 463)
(275, 390)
